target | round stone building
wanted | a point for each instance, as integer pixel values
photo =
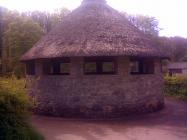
(95, 64)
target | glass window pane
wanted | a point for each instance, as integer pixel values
(90, 67)
(64, 68)
(149, 67)
(108, 67)
(134, 67)
(47, 68)
(30, 68)
(142, 66)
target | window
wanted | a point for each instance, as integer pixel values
(47, 68)
(134, 67)
(142, 66)
(65, 68)
(30, 68)
(57, 67)
(90, 67)
(99, 65)
(108, 67)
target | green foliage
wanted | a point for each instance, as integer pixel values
(14, 111)
(47, 20)
(21, 35)
(19, 32)
(176, 86)
(146, 24)
(178, 46)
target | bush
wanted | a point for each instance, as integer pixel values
(14, 111)
(176, 86)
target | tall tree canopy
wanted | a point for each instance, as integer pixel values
(47, 20)
(1, 29)
(1, 34)
(21, 31)
(179, 48)
(21, 34)
(146, 24)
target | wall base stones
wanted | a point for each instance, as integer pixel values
(98, 96)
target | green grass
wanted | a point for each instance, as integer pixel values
(14, 111)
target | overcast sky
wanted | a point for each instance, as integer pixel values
(172, 14)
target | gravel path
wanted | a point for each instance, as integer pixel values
(168, 124)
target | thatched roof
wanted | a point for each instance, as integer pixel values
(94, 29)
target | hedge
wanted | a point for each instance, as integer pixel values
(14, 111)
(176, 86)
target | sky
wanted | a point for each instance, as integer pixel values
(171, 14)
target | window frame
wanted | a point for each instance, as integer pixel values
(54, 66)
(145, 66)
(99, 65)
(30, 68)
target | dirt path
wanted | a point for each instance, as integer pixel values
(168, 124)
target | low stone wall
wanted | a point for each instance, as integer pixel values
(96, 96)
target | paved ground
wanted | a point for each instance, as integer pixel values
(168, 124)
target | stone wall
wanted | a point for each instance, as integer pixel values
(97, 96)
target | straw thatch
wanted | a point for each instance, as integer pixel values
(94, 29)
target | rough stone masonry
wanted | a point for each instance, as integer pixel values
(96, 96)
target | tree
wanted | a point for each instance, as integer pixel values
(179, 48)
(22, 34)
(148, 25)
(2, 12)
(176, 46)
(58, 16)
(21, 31)
(42, 18)
(47, 20)
(1, 35)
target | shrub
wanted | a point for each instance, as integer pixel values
(14, 111)
(176, 86)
